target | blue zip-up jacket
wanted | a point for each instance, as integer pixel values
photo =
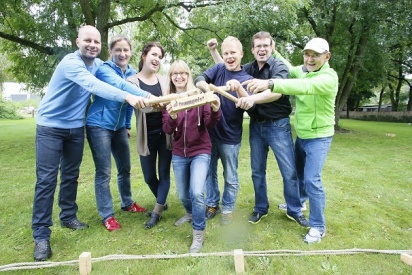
(110, 114)
(64, 104)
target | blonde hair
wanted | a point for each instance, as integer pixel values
(171, 89)
(232, 39)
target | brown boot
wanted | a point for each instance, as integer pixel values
(155, 216)
(198, 238)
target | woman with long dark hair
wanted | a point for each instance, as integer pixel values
(153, 145)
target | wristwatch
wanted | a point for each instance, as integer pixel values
(270, 84)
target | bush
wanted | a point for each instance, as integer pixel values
(8, 110)
(399, 117)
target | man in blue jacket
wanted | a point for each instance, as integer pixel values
(60, 135)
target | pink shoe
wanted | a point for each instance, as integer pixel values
(135, 208)
(111, 224)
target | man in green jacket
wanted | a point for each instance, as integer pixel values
(315, 86)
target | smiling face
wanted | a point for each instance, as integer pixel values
(121, 53)
(152, 59)
(89, 43)
(232, 54)
(179, 77)
(313, 61)
(262, 49)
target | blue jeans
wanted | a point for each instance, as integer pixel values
(278, 136)
(190, 177)
(56, 149)
(310, 158)
(103, 143)
(228, 153)
(157, 147)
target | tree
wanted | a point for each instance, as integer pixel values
(38, 34)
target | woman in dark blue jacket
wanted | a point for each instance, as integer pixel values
(107, 133)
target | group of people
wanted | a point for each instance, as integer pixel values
(192, 141)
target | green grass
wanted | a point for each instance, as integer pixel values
(367, 177)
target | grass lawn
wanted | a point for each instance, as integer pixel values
(367, 177)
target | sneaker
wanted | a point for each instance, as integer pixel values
(314, 236)
(74, 224)
(42, 251)
(111, 224)
(284, 207)
(226, 219)
(256, 217)
(211, 212)
(135, 208)
(182, 220)
(301, 220)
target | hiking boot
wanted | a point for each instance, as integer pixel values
(301, 220)
(314, 236)
(182, 220)
(226, 219)
(197, 243)
(211, 212)
(111, 224)
(74, 224)
(42, 251)
(284, 207)
(256, 217)
(135, 208)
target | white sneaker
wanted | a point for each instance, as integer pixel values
(314, 236)
(284, 207)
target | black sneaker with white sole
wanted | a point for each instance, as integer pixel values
(256, 217)
(301, 220)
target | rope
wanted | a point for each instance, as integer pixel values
(277, 253)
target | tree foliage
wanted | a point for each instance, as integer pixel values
(370, 40)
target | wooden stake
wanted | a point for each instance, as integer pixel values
(239, 261)
(219, 90)
(406, 258)
(85, 263)
(168, 98)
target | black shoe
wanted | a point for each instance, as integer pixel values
(42, 251)
(301, 220)
(154, 219)
(256, 217)
(211, 212)
(74, 224)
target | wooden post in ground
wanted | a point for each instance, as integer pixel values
(406, 258)
(239, 261)
(85, 263)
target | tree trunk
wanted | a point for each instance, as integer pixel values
(350, 76)
(409, 106)
(380, 97)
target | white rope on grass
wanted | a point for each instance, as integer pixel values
(276, 253)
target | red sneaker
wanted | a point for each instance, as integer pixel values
(111, 224)
(136, 208)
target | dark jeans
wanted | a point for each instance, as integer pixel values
(158, 185)
(56, 148)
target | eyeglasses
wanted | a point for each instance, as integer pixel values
(175, 74)
(265, 46)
